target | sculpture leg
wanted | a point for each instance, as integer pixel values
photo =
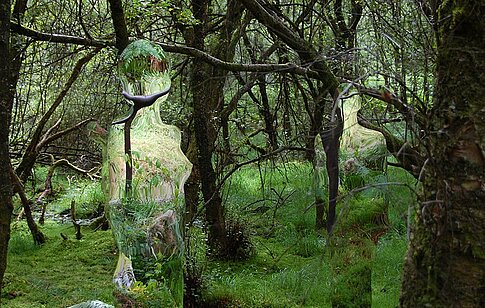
(124, 278)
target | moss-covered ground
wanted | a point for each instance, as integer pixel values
(291, 264)
(61, 272)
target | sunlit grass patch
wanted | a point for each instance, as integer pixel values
(88, 196)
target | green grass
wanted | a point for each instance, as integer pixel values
(292, 266)
(386, 270)
(88, 196)
(60, 272)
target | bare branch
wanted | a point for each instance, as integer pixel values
(81, 21)
(48, 139)
(409, 158)
(47, 133)
(58, 38)
(193, 52)
(307, 53)
(390, 98)
(28, 159)
(231, 66)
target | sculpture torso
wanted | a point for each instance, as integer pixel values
(159, 165)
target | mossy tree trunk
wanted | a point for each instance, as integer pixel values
(445, 265)
(192, 185)
(11, 49)
(6, 97)
(320, 183)
(204, 130)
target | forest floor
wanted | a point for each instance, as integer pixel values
(290, 264)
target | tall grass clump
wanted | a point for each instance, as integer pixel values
(271, 194)
(352, 288)
(308, 286)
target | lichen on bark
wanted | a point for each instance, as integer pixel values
(445, 265)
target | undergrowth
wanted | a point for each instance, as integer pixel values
(284, 261)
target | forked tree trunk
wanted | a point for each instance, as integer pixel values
(203, 93)
(445, 265)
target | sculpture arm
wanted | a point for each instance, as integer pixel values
(140, 101)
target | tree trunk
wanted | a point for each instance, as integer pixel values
(445, 265)
(265, 111)
(331, 146)
(16, 54)
(207, 86)
(37, 235)
(320, 183)
(213, 202)
(6, 98)
(119, 24)
(204, 130)
(192, 185)
(205, 138)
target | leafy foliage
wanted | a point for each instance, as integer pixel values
(138, 59)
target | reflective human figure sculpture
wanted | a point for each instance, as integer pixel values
(366, 147)
(146, 215)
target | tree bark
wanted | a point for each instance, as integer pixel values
(331, 146)
(320, 182)
(207, 86)
(192, 185)
(16, 54)
(119, 24)
(6, 98)
(37, 235)
(445, 265)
